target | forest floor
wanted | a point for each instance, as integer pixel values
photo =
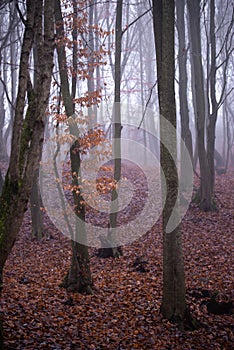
(124, 312)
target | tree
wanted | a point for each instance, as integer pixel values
(183, 78)
(35, 196)
(204, 194)
(206, 99)
(1, 181)
(78, 277)
(116, 251)
(10, 24)
(173, 304)
(217, 58)
(3, 151)
(28, 127)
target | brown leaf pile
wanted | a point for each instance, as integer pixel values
(124, 312)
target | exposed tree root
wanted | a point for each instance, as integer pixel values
(78, 284)
(188, 323)
(115, 252)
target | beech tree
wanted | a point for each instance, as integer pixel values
(208, 95)
(199, 95)
(173, 304)
(28, 127)
(78, 277)
(116, 251)
(9, 42)
(183, 78)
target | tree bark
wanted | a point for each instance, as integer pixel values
(173, 304)
(79, 276)
(212, 119)
(35, 196)
(3, 150)
(204, 195)
(1, 182)
(183, 79)
(28, 132)
(116, 251)
(35, 207)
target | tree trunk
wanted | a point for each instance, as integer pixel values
(3, 151)
(214, 105)
(173, 304)
(116, 251)
(35, 196)
(28, 129)
(35, 206)
(183, 79)
(79, 275)
(204, 196)
(1, 182)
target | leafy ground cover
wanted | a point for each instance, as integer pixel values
(124, 312)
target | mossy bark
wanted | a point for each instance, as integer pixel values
(28, 132)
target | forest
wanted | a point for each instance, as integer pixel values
(116, 174)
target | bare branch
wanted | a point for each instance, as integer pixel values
(147, 103)
(135, 20)
(6, 92)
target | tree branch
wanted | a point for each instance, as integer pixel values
(147, 103)
(135, 20)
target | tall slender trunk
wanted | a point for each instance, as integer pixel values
(214, 105)
(205, 193)
(173, 304)
(116, 251)
(78, 277)
(183, 78)
(3, 151)
(35, 196)
(28, 129)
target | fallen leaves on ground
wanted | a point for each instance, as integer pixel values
(124, 312)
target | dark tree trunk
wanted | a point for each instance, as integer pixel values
(173, 304)
(79, 276)
(116, 251)
(214, 105)
(28, 129)
(1, 182)
(204, 196)
(35, 196)
(36, 206)
(3, 150)
(183, 79)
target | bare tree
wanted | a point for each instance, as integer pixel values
(204, 194)
(78, 277)
(116, 251)
(183, 78)
(28, 127)
(173, 303)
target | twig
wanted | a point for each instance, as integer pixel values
(147, 103)
(20, 14)
(6, 92)
(135, 20)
